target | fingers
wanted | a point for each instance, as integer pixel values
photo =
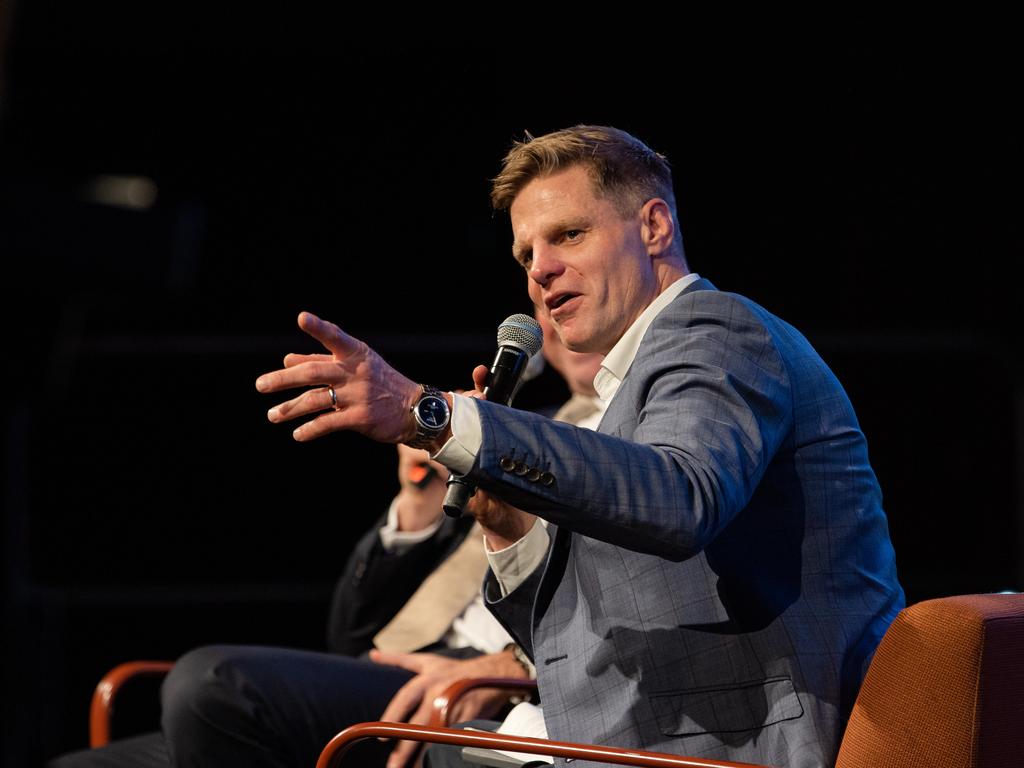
(401, 754)
(339, 343)
(411, 661)
(470, 706)
(404, 750)
(408, 698)
(331, 336)
(310, 401)
(292, 359)
(325, 424)
(328, 421)
(309, 374)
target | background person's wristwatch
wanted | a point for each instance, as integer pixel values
(524, 661)
(432, 416)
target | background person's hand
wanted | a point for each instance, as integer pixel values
(422, 483)
(434, 673)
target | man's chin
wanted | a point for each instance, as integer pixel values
(564, 334)
(575, 341)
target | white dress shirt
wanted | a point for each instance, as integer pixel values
(475, 627)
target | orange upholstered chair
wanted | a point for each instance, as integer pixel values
(945, 688)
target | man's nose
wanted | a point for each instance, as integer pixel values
(545, 266)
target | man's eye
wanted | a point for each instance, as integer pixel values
(574, 234)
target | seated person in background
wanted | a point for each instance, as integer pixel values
(405, 622)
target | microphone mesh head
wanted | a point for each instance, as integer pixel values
(521, 331)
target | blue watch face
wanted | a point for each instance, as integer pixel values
(433, 411)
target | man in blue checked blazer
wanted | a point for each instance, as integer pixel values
(717, 570)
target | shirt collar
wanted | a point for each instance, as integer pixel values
(617, 362)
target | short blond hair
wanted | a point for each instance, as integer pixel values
(622, 168)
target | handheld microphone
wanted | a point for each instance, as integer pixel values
(519, 339)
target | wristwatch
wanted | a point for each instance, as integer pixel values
(524, 661)
(432, 416)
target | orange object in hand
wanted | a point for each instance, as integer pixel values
(421, 474)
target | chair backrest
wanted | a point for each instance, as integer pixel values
(945, 687)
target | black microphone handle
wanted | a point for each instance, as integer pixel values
(459, 492)
(506, 375)
(503, 382)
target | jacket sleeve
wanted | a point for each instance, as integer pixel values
(669, 470)
(376, 583)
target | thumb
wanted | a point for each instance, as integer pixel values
(331, 336)
(480, 377)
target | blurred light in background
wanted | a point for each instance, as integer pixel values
(135, 193)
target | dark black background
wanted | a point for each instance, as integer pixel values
(866, 189)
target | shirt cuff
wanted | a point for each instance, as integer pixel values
(459, 453)
(398, 541)
(513, 564)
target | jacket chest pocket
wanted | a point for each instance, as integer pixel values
(741, 707)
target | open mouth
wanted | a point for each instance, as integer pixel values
(562, 299)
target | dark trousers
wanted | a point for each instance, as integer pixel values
(254, 706)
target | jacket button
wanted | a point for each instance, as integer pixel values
(521, 468)
(506, 463)
(533, 475)
(547, 479)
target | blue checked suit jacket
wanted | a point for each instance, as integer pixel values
(720, 569)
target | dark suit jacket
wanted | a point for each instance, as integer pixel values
(376, 583)
(721, 570)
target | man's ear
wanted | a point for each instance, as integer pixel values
(657, 227)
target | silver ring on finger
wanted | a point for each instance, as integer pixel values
(334, 397)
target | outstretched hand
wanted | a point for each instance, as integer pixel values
(414, 701)
(372, 398)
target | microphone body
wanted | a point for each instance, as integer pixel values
(519, 339)
(506, 375)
